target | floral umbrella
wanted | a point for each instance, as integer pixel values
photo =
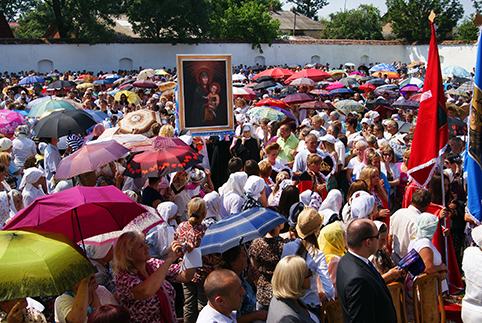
(9, 121)
(273, 103)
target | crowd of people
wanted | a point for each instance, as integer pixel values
(338, 175)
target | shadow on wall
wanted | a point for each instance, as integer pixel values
(125, 64)
(45, 66)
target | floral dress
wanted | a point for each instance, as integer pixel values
(147, 310)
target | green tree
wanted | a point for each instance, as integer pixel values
(13, 8)
(248, 20)
(87, 20)
(361, 23)
(174, 20)
(309, 8)
(410, 18)
(467, 31)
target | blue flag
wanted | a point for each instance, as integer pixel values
(473, 158)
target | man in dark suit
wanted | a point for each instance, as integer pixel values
(363, 294)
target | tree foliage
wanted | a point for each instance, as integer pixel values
(12, 8)
(410, 18)
(467, 31)
(361, 23)
(309, 8)
(174, 20)
(248, 20)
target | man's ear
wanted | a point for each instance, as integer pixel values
(219, 300)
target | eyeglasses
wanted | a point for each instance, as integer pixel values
(310, 274)
(373, 237)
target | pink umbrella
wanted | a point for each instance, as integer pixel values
(297, 98)
(78, 213)
(9, 121)
(90, 157)
(335, 85)
(356, 73)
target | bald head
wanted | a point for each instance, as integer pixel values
(218, 283)
(358, 231)
(392, 127)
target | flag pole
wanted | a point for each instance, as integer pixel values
(445, 218)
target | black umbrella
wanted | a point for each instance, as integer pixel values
(62, 123)
(264, 85)
(376, 81)
(289, 89)
(457, 127)
(389, 87)
(367, 78)
(257, 68)
(349, 81)
(130, 81)
(379, 101)
(61, 84)
(264, 78)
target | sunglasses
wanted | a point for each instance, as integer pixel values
(373, 237)
(309, 275)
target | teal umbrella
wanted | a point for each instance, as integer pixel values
(412, 80)
(266, 112)
(40, 108)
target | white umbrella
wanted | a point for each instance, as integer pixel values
(146, 74)
(238, 77)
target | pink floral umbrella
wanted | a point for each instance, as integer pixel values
(9, 121)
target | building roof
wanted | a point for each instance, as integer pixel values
(286, 19)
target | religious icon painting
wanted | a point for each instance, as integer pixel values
(205, 93)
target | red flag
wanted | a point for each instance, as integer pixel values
(431, 132)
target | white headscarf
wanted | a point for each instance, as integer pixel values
(249, 126)
(167, 210)
(427, 225)
(362, 204)
(213, 205)
(254, 186)
(236, 183)
(331, 205)
(31, 175)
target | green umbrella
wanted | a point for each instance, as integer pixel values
(266, 112)
(40, 108)
(39, 264)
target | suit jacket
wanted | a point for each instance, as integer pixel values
(363, 294)
(286, 310)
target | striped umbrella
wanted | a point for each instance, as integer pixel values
(382, 67)
(238, 228)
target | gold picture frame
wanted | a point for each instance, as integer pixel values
(205, 93)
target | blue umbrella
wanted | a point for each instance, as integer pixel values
(22, 112)
(247, 225)
(104, 82)
(97, 115)
(456, 71)
(382, 67)
(32, 79)
(286, 112)
(341, 91)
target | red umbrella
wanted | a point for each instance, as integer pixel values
(275, 73)
(321, 92)
(160, 161)
(416, 97)
(314, 74)
(145, 84)
(78, 213)
(367, 87)
(318, 105)
(297, 98)
(273, 103)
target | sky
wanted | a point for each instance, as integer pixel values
(338, 5)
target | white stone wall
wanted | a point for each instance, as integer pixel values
(108, 57)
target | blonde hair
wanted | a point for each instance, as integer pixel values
(288, 278)
(166, 131)
(196, 210)
(313, 159)
(270, 147)
(123, 251)
(5, 159)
